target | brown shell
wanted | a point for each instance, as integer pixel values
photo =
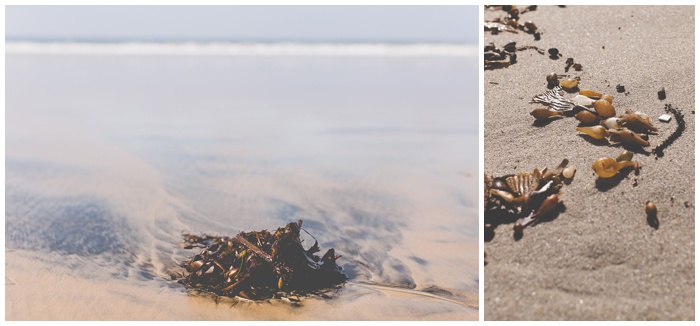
(604, 108)
(587, 117)
(637, 121)
(589, 93)
(524, 183)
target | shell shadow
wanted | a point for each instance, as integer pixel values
(596, 142)
(605, 184)
(545, 122)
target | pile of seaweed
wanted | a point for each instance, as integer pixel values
(260, 265)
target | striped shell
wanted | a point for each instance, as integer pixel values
(524, 183)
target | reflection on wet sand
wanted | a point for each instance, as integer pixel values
(104, 172)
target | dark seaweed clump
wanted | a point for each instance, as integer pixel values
(659, 150)
(260, 265)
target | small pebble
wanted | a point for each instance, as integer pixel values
(662, 94)
(620, 88)
(578, 66)
(665, 118)
(553, 52)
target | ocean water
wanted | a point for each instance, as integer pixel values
(113, 151)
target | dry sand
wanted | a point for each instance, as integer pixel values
(599, 259)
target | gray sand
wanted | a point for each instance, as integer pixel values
(599, 259)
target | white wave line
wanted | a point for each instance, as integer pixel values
(242, 49)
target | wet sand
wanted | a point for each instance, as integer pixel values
(598, 259)
(110, 158)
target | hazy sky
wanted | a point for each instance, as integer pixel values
(453, 24)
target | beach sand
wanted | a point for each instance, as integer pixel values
(110, 158)
(598, 259)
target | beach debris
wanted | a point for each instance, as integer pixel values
(523, 197)
(578, 67)
(629, 137)
(553, 53)
(608, 167)
(659, 150)
(662, 94)
(260, 265)
(620, 88)
(665, 118)
(652, 218)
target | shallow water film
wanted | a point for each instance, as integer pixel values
(111, 158)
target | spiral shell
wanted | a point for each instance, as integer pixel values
(637, 121)
(630, 137)
(597, 132)
(542, 113)
(608, 167)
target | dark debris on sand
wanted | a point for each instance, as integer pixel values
(260, 265)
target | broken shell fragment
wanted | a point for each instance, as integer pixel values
(611, 123)
(665, 118)
(542, 113)
(568, 83)
(604, 108)
(630, 137)
(597, 132)
(569, 172)
(586, 117)
(607, 167)
(583, 100)
(589, 93)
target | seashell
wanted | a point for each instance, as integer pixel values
(637, 121)
(607, 167)
(625, 156)
(499, 183)
(607, 98)
(542, 113)
(524, 183)
(195, 265)
(587, 117)
(569, 172)
(280, 283)
(650, 208)
(583, 100)
(503, 194)
(604, 108)
(630, 137)
(611, 123)
(597, 132)
(568, 83)
(552, 79)
(589, 93)
(548, 205)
